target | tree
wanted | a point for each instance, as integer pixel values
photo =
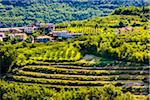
(21, 60)
(8, 55)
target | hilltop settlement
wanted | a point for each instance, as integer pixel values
(39, 32)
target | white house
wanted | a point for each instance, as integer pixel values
(43, 38)
(30, 29)
(4, 29)
(64, 34)
(49, 26)
(21, 36)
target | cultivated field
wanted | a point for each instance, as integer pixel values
(133, 79)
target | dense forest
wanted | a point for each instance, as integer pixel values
(127, 16)
(14, 13)
(120, 2)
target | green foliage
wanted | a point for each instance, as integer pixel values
(104, 24)
(131, 47)
(24, 53)
(59, 53)
(126, 46)
(107, 39)
(15, 13)
(132, 11)
(119, 44)
(8, 55)
(21, 60)
(29, 92)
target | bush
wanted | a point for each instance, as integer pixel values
(29, 92)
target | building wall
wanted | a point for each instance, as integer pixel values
(43, 39)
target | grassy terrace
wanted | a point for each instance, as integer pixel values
(70, 76)
(78, 63)
(68, 84)
(52, 70)
(132, 79)
(79, 77)
(96, 68)
(71, 82)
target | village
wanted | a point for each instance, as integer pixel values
(47, 29)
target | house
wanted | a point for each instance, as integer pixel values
(20, 36)
(35, 27)
(60, 34)
(22, 32)
(30, 29)
(64, 34)
(15, 30)
(43, 39)
(11, 30)
(4, 29)
(76, 34)
(125, 29)
(48, 26)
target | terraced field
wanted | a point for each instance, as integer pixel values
(133, 79)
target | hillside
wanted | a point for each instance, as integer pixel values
(118, 2)
(130, 26)
(14, 13)
(109, 61)
(62, 68)
(88, 62)
(127, 15)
